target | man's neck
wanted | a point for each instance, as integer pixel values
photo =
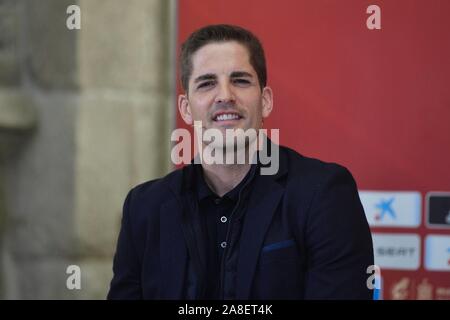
(223, 178)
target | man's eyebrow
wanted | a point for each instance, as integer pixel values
(241, 74)
(208, 76)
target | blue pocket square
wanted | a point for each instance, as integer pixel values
(278, 245)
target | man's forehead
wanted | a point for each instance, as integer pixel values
(221, 57)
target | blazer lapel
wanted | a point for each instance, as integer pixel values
(173, 251)
(263, 202)
(194, 235)
(180, 232)
(181, 235)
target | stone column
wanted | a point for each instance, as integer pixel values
(104, 99)
(17, 116)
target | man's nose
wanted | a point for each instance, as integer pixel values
(225, 94)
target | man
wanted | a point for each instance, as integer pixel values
(226, 231)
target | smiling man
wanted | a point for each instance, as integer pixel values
(225, 230)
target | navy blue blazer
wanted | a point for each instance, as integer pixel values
(304, 236)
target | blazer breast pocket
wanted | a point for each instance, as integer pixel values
(279, 251)
(279, 274)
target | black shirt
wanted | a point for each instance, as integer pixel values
(223, 220)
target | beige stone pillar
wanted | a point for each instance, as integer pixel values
(104, 101)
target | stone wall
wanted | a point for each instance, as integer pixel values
(84, 116)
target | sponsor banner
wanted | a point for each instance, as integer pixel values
(438, 209)
(392, 209)
(396, 251)
(437, 253)
(414, 286)
(378, 291)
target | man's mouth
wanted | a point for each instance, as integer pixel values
(226, 116)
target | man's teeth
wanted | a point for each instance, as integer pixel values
(227, 116)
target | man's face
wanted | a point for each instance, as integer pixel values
(224, 90)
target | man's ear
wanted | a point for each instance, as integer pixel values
(267, 101)
(185, 109)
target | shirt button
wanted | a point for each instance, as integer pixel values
(217, 200)
(223, 245)
(223, 219)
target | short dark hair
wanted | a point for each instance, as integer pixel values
(221, 33)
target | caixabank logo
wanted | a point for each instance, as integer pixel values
(392, 209)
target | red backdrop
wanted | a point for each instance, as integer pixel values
(376, 101)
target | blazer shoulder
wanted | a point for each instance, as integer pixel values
(312, 171)
(156, 188)
(144, 201)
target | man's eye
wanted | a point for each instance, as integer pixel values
(241, 81)
(205, 84)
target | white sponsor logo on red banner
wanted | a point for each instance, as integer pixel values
(437, 253)
(392, 209)
(396, 251)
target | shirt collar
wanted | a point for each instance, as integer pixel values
(204, 191)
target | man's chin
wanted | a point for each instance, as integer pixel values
(232, 143)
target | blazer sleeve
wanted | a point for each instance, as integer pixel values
(338, 241)
(126, 268)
